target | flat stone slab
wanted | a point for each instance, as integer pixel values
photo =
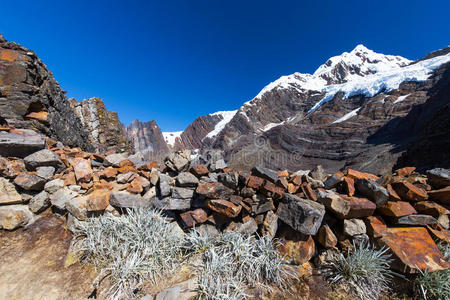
(414, 248)
(20, 143)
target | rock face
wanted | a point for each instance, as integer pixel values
(106, 132)
(147, 138)
(30, 97)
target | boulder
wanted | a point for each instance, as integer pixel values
(230, 179)
(59, 198)
(326, 237)
(113, 160)
(169, 203)
(194, 217)
(20, 143)
(8, 193)
(360, 175)
(54, 185)
(30, 182)
(43, 158)
(413, 249)
(303, 215)
(270, 224)
(408, 191)
(124, 199)
(354, 227)
(82, 169)
(14, 216)
(248, 227)
(334, 203)
(439, 177)
(182, 193)
(186, 179)
(224, 207)
(213, 190)
(441, 195)
(10, 168)
(77, 207)
(397, 209)
(416, 220)
(265, 173)
(39, 202)
(372, 190)
(199, 170)
(45, 172)
(178, 161)
(164, 185)
(98, 200)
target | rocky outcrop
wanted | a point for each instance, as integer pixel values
(147, 138)
(30, 98)
(106, 132)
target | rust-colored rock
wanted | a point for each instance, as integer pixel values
(193, 217)
(431, 208)
(282, 182)
(126, 163)
(255, 182)
(199, 170)
(271, 190)
(408, 191)
(11, 168)
(108, 173)
(308, 191)
(297, 251)
(292, 189)
(283, 173)
(406, 171)
(149, 166)
(126, 169)
(213, 190)
(375, 226)
(69, 179)
(442, 195)
(359, 207)
(224, 207)
(414, 248)
(135, 187)
(326, 237)
(360, 175)
(393, 196)
(397, 209)
(442, 235)
(349, 185)
(296, 179)
(83, 169)
(98, 200)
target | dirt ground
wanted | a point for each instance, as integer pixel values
(32, 264)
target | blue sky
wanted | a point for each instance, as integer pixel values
(172, 61)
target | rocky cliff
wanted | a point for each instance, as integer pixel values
(146, 137)
(106, 132)
(30, 98)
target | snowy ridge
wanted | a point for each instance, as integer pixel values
(170, 137)
(362, 71)
(226, 118)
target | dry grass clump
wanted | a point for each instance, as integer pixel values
(365, 271)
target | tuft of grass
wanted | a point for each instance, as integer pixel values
(365, 271)
(233, 263)
(435, 285)
(130, 249)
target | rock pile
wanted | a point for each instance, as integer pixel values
(310, 212)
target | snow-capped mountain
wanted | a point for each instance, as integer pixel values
(329, 115)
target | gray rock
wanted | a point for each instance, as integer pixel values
(182, 193)
(8, 193)
(317, 173)
(178, 161)
(40, 202)
(332, 181)
(416, 220)
(334, 203)
(30, 182)
(154, 176)
(354, 227)
(164, 185)
(169, 203)
(218, 165)
(20, 144)
(313, 182)
(182, 291)
(43, 158)
(137, 159)
(372, 190)
(124, 178)
(14, 216)
(208, 229)
(77, 206)
(303, 215)
(151, 193)
(186, 179)
(113, 160)
(247, 228)
(230, 179)
(261, 204)
(60, 198)
(270, 224)
(54, 185)
(127, 200)
(439, 177)
(176, 230)
(265, 173)
(45, 172)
